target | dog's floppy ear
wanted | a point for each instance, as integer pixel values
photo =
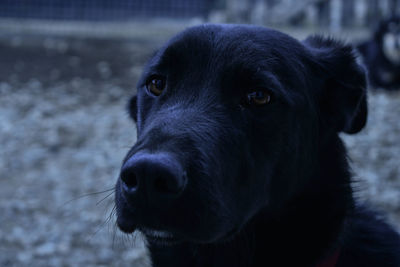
(342, 96)
(132, 107)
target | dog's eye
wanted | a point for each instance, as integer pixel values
(259, 97)
(155, 85)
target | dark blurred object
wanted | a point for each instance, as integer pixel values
(101, 10)
(381, 55)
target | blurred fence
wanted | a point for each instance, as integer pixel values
(102, 9)
(334, 14)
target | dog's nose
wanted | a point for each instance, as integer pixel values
(156, 175)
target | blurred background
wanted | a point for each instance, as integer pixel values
(67, 69)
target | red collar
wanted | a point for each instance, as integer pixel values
(330, 261)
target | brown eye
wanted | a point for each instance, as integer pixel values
(155, 86)
(259, 97)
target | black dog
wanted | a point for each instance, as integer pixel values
(238, 160)
(381, 55)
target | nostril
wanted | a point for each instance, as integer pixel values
(154, 175)
(129, 179)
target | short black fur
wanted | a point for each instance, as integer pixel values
(261, 185)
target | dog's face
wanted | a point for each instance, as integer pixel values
(229, 120)
(390, 38)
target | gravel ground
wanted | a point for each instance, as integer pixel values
(64, 132)
(374, 153)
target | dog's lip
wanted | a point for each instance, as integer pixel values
(156, 233)
(159, 237)
(125, 225)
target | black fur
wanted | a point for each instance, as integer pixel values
(266, 185)
(383, 73)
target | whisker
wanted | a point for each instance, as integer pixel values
(112, 213)
(101, 226)
(87, 195)
(114, 234)
(104, 198)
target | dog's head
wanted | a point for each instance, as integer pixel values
(388, 36)
(229, 120)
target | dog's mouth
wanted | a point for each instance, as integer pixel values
(160, 238)
(154, 237)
